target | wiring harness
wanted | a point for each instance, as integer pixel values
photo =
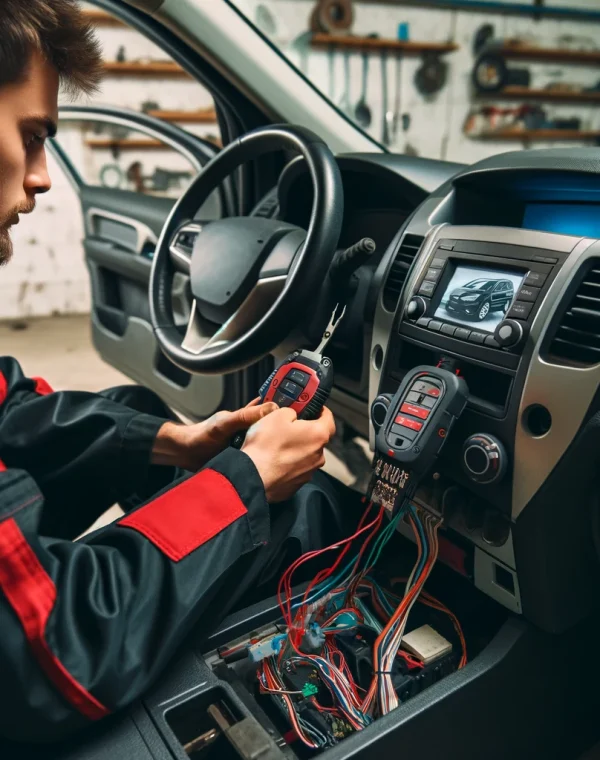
(305, 669)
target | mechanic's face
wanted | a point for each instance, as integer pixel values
(28, 115)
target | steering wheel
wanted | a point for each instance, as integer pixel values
(251, 278)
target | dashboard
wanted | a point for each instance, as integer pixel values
(497, 267)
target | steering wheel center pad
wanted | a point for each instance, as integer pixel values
(229, 257)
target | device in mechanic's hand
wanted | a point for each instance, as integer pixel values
(419, 418)
(303, 380)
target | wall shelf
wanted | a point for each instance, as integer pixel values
(206, 116)
(145, 69)
(525, 135)
(106, 143)
(557, 96)
(101, 18)
(555, 55)
(379, 44)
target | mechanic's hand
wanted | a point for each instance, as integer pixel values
(287, 451)
(192, 446)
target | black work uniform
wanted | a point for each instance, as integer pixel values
(86, 626)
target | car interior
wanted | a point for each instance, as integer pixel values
(200, 297)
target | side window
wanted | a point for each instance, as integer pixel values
(109, 155)
(138, 76)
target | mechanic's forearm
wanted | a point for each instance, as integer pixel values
(94, 622)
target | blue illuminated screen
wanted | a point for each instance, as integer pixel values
(581, 219)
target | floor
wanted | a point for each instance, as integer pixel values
(60, 350)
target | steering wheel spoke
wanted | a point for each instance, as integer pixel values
(182, 246)
(260, 299)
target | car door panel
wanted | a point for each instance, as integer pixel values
(121, 230)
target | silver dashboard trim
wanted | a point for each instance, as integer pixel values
(566, 392)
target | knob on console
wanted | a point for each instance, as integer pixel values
(484, 458)
(417, 306)
(379, 409)
(509, 333)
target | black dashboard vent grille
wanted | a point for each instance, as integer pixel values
(577, 337)
(399, 270)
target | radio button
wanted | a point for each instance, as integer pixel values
(477, 337)
(491, 342)
(427, 288)
(520, 310)
(429, 402)
(448, 329)
(528, 294)
(535, 278)
(462, 334)
(435, 325)
(438, 263)
(433, 275)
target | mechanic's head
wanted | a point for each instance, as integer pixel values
(44, 43)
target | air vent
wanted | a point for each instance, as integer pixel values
(269, 207)
(577, 337)
(399, 270)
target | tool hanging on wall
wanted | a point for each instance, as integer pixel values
(332, 16)
(301, 44)
(491, 74)
(482, 37)
(387, 115)
(362, 112)
(345, 103)
(398, 100)
(431, 76)
(112, 176)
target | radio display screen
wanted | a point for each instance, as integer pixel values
(478, 297)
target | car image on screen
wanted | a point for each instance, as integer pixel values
(477, 298)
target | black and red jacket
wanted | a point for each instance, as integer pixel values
(86, 626)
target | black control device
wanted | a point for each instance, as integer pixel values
(420, 417)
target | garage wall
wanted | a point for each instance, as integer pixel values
(48, 276)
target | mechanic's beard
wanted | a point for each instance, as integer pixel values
(6, 246)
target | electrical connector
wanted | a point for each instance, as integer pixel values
(426, 644)
(266, 648)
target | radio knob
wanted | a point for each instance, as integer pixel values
(484, 458)
(417, 306)
(509, 333)
(379, 410)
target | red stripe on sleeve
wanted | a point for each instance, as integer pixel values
(3, 467)
(42, 387)
(31, 593)
(182, 519)
(3, 388)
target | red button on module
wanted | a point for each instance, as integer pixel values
(415, 411)
(405, 422)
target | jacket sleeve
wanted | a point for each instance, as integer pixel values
(72, 439)
(86, 627)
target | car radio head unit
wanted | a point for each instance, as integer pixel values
(482, 294)
(478, 296)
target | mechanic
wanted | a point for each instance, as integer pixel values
(86, 626)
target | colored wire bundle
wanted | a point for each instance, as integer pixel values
(334, 603)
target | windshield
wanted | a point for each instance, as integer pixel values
(479, 285)
(440, 82)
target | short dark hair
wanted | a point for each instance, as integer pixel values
(60, 32)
